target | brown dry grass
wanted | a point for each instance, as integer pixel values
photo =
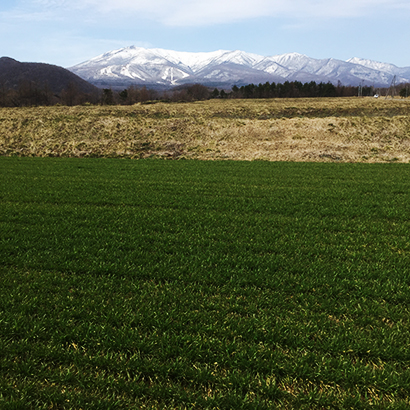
(345, 130)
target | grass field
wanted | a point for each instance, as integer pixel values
(203, 284)
(308, 130)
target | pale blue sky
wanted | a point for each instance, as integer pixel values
(67, 32)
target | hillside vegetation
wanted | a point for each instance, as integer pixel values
(327, 129)
(27, 84)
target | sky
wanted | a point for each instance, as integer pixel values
(68, 32)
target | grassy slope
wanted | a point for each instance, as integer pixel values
(220, 284)
(338, 129)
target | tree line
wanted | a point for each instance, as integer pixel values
(28, 93)
(297, 89)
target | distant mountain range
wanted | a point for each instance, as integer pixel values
(167, 68)
(13, 73)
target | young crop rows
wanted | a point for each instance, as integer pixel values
(203, 284)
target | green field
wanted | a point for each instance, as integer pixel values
(186, 284)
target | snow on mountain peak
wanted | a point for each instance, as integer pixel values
(375, 65)
(133, 65)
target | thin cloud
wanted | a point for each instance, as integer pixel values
(182, 13)
(209, 12)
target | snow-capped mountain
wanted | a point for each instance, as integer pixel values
(402, 74)
(140, 66)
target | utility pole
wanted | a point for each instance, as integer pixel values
(392, 88)
(360, 93)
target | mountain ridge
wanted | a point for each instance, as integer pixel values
(13, 73)
(167, 68)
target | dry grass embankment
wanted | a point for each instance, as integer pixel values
(346, 130)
